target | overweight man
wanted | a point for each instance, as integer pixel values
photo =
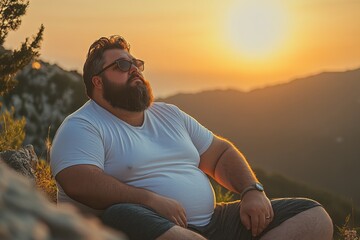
(142, 167)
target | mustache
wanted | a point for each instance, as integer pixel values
(136, 75)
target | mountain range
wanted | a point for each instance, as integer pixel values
(307, 129)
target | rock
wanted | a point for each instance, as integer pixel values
(21, 160)
(26, 214)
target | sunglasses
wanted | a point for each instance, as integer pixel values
(124, 65)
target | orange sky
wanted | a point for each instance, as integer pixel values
(192, 45)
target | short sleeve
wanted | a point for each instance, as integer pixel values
(76, 142)
(200, 135)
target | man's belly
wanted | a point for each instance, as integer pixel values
(192, 190)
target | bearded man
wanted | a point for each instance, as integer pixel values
(143, 166)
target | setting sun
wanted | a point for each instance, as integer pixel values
(257, 29)
(189, 46)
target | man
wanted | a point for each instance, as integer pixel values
(142, 166)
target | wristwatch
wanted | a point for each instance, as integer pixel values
(256, 186)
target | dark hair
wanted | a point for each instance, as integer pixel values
(94, 60)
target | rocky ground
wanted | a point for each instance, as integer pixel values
(27, 214)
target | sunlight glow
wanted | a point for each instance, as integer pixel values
(257, 28)
(36, 65)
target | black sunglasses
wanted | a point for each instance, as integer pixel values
(124, 65)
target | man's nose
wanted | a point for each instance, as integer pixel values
(133, 68)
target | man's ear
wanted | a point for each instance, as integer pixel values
(97, 82)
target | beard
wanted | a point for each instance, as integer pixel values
(131, 98)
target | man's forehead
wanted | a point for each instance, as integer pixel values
(114, 54)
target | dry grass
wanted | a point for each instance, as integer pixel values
(348, 232)
(45, 180)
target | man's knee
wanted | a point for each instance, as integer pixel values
(312, 223)
(180, 233)
(320, 220)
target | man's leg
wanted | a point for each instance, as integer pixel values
(139, 222)
(292, 216)
(312, 224)
(179, 233)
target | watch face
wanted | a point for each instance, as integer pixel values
(259, 186)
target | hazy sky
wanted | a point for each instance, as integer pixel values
(190, 45)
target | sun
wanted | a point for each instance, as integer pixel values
(257, 28)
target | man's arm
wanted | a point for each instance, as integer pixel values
(223, 162)
(89, 185)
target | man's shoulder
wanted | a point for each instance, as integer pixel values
(87, 111)
(164, 105)
(82, 109)
(83, 116)
(165, 110)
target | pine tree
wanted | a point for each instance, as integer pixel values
(12, 132)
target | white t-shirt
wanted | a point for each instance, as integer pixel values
(162, 155)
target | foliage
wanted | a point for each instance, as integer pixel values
(350, 234)
(45, 180)
(43, 175)
(9, 16)
(348, 231)
(11, 130)
(45, 96)
(222, 195)
(12, 61)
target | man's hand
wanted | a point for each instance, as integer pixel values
(256, 212)
(169, 208)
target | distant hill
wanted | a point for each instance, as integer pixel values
(45, 95)
(307, 130)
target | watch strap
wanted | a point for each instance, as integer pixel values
(255, 186)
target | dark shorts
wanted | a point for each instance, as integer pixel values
(141, 223)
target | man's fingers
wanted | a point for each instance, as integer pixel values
(255, 221)
(245, 219)
(177, 221)
(180, 220)
(171, 209)
(181, 223)
(183, 219)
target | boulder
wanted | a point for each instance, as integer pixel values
(22, 160)
(27, 214)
